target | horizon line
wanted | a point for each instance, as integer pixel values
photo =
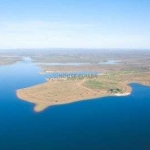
(74, 48)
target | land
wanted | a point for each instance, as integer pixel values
(8, 60)
(8, 57)
(126, 60)
(62, 91)
(132, 66)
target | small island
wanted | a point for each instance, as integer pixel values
(67, 90)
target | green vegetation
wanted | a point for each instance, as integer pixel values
(115, 90)
(93, 84)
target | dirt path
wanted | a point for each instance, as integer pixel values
(80, 84)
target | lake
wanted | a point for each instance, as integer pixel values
(109, 123)
(108, 62)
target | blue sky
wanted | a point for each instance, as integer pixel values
(75, 24)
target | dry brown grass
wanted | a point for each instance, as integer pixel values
(67, 91)
(56, 92)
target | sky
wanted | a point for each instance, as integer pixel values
(75, 24)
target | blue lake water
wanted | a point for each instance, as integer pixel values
(108, 62)
(110, 123)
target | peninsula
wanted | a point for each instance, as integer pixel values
(62, 91)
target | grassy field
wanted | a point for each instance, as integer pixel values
(94, 84)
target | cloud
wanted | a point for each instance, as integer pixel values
(40, 34)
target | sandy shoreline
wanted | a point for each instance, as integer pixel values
(123, 94)
(41, 103)
(40, 106)
(59, 92)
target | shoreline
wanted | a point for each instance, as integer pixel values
(59, 92)
(123, 94)
(40, 106)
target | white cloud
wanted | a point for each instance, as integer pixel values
(39, 34)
